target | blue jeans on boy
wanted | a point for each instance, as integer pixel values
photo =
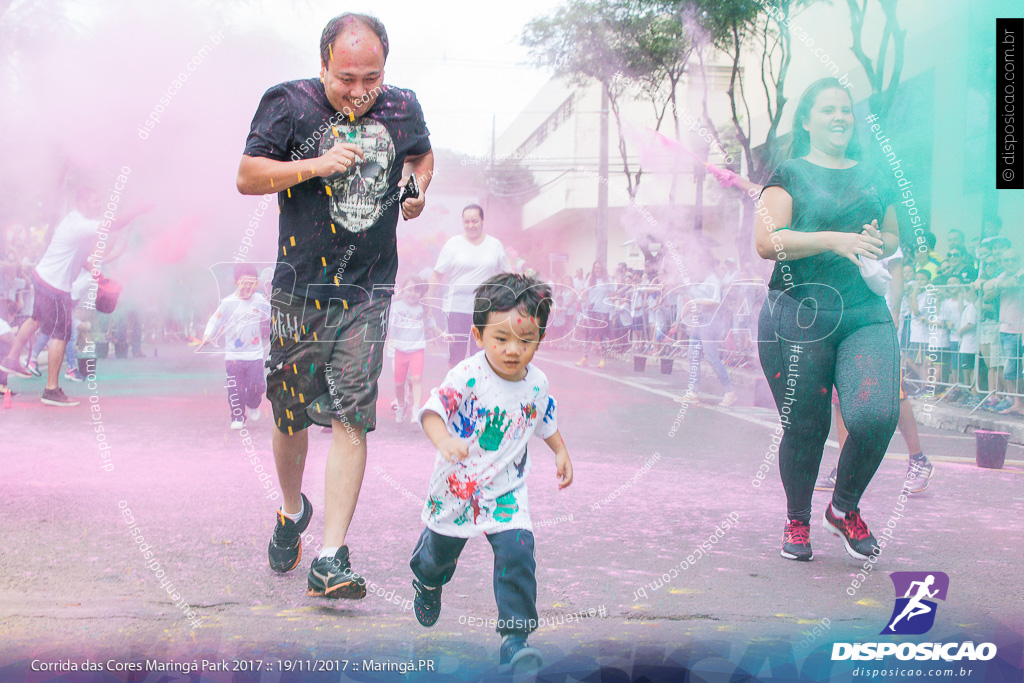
(515, 579)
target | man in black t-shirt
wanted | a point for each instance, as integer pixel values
(334, 149)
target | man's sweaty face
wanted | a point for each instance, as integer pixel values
(354, 72)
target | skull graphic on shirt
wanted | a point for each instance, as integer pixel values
(357, 193)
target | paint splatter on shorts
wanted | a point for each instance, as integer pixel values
(325, 358)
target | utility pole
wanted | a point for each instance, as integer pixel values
(601, 233)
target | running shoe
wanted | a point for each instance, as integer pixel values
(285, 549)
(600, 364)
(827, 482)
(71, 374)
(401, 411)
(518, 658)
(13, 366)
(796, 541)
(581, 363)
(426, 604)
(33, 367)
(237, 424)
(57, 397)
(919, 471)
(332, 577)
(252, 414)
(729, 399)
(859, 542)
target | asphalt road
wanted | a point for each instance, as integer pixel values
(646, 495)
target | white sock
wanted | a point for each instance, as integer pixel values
(330, 552)
(294, 516)
(838, 513)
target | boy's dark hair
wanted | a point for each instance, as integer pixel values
(243, 269)
(508, 291)
(925, 272)
(930, 239)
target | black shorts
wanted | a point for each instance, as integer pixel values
(52, 309)
(324, 361)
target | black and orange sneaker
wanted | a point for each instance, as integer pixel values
(858, 540)
(332, 577)
(285, 549)
(796, 541)
(426, 604)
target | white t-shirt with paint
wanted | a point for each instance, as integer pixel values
(486, 492)
(64, 259)
(465, 266)
(238, 322)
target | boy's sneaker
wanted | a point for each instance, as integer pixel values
(285, 549)
(56, 397)
(252, 414)
(582, 362)
(13, 366)
(401, 411)
(827, 482)
(600, 364)
(859, 542)
(237, 424)
(518, 658)
(919, 471)
(72, 375)
(33, 367)
(796, 541)
(426, 604)
(332, 577)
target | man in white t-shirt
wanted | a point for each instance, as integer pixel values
(466, 261)
(68, 254)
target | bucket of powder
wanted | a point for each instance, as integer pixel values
(990, 448)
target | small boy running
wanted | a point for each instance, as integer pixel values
(240, 319)
(480, 419)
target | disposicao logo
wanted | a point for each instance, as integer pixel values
(914, 611)
(914, 614)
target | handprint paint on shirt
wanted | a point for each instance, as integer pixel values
(494, 430)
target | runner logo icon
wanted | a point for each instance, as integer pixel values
(916, 592)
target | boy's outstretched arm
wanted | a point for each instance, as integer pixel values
(452, 448)
(563, 466)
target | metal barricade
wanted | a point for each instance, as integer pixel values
(932, 361)
(1000, 346)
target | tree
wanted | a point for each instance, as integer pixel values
(604, 40)
(882, 93)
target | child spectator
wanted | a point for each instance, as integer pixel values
(480, 419)
(948, 323)
(967, 330)
(239, 320)
(922, 303)
(407, 334)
